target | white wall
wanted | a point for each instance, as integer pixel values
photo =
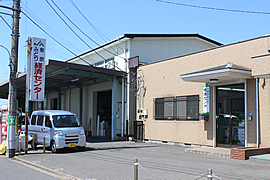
(151, 50)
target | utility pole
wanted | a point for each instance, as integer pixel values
(29, 42)
(12, 118)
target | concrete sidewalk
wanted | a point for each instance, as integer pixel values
(263, 157)
(210, 151)
(222, 153)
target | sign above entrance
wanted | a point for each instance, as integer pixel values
(206, 99)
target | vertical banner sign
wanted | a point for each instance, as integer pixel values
(37, 72)
(206, 99)
(11, 119)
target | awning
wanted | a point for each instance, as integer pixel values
(64, 75)
(221, 74)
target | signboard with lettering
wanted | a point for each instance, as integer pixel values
(37, 72)
(206, 99)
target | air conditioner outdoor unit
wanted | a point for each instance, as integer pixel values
(145, 112)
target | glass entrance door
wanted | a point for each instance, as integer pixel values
(231, 115)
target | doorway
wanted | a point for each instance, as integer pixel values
(231, 115)
(104, 111)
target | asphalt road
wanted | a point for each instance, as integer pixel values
(115, 160)
(10, 169)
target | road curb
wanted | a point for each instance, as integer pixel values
(46, 169)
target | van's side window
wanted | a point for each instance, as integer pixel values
(33, 120)
(48, 122)
(40, 120)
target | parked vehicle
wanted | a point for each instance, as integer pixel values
(59, 128)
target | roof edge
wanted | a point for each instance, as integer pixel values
(174, 35)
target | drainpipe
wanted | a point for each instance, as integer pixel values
(214, 117)
(257, 112)
(123, 106)
(246, 116)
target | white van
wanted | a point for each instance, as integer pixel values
(59, 128)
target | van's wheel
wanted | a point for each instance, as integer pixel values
(81, 148)
(53, 147)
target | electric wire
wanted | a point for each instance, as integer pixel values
(55, 53)
(37, 19)
(69, 26)
(54, 38)
(6, 14)
(212, 8)
(7, 24)
(79, 30)
(96, 31)
(6, 7)
(58, 51)
(95, 28)
(25, 37)
(75, 56)
(92, 25)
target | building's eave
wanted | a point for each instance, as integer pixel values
(173, 35)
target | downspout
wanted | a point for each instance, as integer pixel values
(214, 117)
(257, 112)
(123, 106)
(246, 116)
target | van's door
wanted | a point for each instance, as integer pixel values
(47, 130)
(32, 128)
(40, 128)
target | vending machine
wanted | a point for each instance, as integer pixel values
(4, 123)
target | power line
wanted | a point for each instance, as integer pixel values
(7, 23)
(6, 14)
(69, 26)
(54, 38)
(79, 30)
(212, 8)
(76, 56)
(51, 50)
(44, 24)
(95, 28)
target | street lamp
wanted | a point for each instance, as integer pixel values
(8, 132)
(8, 53)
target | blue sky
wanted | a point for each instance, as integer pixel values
(116, 17)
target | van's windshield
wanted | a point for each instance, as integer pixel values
(65, 121)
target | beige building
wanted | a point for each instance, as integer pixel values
(215, 97)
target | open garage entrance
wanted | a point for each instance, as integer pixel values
(104, 112)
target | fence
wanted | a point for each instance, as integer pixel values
(209, 175)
